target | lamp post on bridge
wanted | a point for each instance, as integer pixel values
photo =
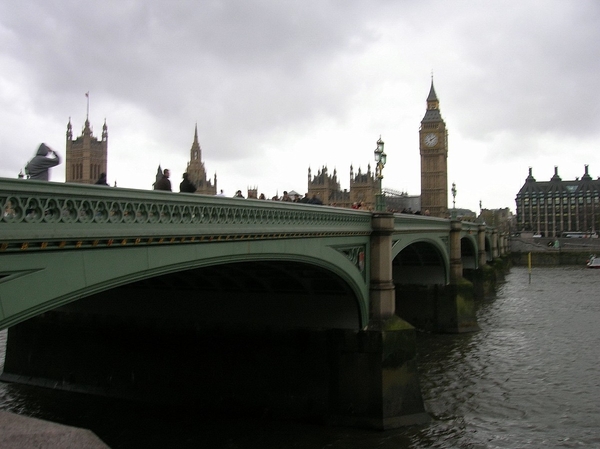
(453, 201)
(380, 159)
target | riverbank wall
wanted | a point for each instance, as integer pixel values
(552, 251)
(18, 432)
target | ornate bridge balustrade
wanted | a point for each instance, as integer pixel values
(38, 215)
(79, 260)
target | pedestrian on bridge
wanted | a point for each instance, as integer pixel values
(163, 183)
(186, 186)
(102, 180)
(38, 167)
(315, 200)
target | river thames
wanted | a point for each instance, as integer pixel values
(529, 378)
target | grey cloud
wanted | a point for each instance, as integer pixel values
(251, 72)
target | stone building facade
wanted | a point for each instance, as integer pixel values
(555, 208)
(363, 187)
(501, 219)
(326, 187)
(86, 156)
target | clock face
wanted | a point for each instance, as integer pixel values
(431, 139)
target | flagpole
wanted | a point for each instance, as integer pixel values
(87, 96)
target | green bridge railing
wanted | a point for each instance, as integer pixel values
(45, 215)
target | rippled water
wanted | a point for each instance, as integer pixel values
(528, 379)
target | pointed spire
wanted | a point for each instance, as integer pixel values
(159, 174)
(195, 151)
(104, 131)
(432, 114)
(432, 96)
(87, 130)
(69, 130)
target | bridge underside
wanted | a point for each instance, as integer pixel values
(250, 337)
(232, 338)
(424, 297)
(419, 263)
(280, 295)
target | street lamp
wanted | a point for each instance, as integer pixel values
(380, 159)
(453, 201)
(481, 217)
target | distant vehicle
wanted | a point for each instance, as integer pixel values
(580, 235)
(593, 262)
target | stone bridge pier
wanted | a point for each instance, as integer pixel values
(377, 384)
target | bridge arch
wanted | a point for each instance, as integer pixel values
(422, 261)
(468, 252)
(53, 279)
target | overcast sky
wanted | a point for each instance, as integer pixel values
(276, 87)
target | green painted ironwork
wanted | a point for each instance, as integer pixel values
(42, 216)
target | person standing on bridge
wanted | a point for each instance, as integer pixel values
(163, 183)
(102, 180)
(186, 186)
(39, 166)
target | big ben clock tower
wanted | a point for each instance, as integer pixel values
(433, 143)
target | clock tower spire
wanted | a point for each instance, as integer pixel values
(433, 144)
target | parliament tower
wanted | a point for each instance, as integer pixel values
(433, 144)
(196, 171)
(86, 156)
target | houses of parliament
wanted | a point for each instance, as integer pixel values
(86, 159)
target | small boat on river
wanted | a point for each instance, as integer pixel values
(593, 262)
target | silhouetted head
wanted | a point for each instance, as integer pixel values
(43, 150)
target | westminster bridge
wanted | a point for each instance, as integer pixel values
(235, 303)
